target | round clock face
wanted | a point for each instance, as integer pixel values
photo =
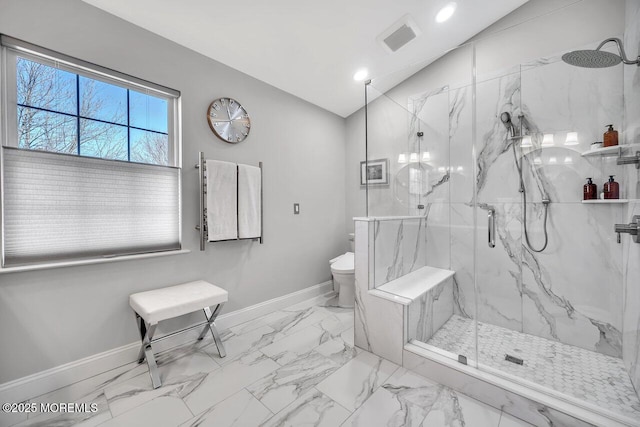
(228, 120)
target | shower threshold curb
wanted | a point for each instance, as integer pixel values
(521, 401)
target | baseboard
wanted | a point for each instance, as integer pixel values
(229, 320)
(52, 379)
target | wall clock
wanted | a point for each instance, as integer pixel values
(228, 120)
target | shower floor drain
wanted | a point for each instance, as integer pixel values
(513, 359)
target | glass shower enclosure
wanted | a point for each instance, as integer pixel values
(544, 292)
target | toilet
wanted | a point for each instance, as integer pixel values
(344, 278)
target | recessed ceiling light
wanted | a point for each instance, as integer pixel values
(361, 74)
(446, 12)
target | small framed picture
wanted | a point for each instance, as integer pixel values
(374, 172)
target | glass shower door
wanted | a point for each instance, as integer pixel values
(550, 292)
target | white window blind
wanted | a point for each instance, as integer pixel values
(58, 207)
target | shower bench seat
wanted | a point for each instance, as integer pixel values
(152, 307)
(406, 289)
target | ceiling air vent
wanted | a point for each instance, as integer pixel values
(399, 34)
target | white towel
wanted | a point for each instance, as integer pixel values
(249, 209)
(222, 200)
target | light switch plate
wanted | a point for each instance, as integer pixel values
(296, 208)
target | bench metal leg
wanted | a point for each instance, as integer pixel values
(146, 352)
(211, 326)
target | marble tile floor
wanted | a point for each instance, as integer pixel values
(294, 367)
(593, 377)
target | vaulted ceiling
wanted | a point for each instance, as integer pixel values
(312, 49)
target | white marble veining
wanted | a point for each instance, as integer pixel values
(429, 312)
(407, 399)
(285, 385)
(382, 335)
(460, 140)
(339, 349)
(209, 390)
(239, 410)
(313, 409)
(364, 265)
(91, 390)
(498, 270)
(497, 175)
(353, 383)
(163, 411)
(430, 115)
(331, 383)
(464, 410)
(575, 296)
(404, 255)
(293, 346)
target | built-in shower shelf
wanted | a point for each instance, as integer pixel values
(608, 201)
(609, 151)
(410, 287)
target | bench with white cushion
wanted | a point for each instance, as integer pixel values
(152, 307)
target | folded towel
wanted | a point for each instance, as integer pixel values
(249, 209)
(222, 200)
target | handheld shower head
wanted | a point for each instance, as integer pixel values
(505, 118)
(598, 58)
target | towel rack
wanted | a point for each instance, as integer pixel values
(202, 220)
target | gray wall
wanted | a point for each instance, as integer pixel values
(56, 316)
(355, 153)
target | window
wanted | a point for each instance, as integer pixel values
(63, 112)
(90, 163)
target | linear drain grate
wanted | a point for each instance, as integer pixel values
(513, 359)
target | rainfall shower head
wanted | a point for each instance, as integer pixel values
(505, 118)
(591, 58)
(598, 58)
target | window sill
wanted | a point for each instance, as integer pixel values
(90, 261)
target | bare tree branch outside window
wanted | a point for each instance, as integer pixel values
(50, 119)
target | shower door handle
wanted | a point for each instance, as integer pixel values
(491, 216)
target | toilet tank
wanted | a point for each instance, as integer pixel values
(352, 242)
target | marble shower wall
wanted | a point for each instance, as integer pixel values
(572, 291)
(400, 247)
(387, 137)
(631, 250)
(428, 313)
(418, 188)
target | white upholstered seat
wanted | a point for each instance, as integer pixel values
(154, 306)
(162, 304)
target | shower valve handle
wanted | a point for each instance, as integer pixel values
(491, 215)
(632, 228)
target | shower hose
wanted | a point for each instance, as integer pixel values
(545, 203)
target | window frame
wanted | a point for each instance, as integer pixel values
(10, 49)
